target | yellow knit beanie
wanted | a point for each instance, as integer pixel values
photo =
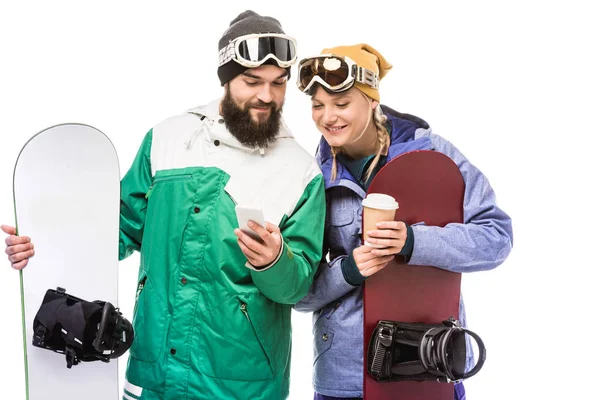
(367, 57)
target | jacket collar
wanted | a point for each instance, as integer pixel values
(402, 134)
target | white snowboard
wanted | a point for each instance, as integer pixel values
(66, 193)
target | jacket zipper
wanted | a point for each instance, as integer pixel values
(140, 288)
(232, 199)
(243, 309)
(335, 307)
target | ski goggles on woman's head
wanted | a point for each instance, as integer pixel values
(334, 73)
(253, 50)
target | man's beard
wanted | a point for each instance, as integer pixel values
(241, 125)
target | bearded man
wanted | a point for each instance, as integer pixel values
(212, 317)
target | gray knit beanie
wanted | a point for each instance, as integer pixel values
(246, 23)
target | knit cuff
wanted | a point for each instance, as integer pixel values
(350, 271)
(409, 244)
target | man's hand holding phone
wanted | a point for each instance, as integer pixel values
(260, 241)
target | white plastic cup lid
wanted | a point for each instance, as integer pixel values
(380, 201)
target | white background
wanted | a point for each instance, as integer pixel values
(514, 86)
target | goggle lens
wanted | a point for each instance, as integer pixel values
(257, 49)
(333, 71)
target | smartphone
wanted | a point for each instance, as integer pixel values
(245, 214)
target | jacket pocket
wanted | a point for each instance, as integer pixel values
(260, 337)
(149, 323)
(326, 312)
(333, 308)
(164, 178)
(322, 334)
(340, 210)
(235, 341)
(322, 341)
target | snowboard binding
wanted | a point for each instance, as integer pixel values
(401, 351)
(79, 329)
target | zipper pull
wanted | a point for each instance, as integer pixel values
(140, 288)
(335, 307)
(149, 192)
(231, 197)
(243, 309)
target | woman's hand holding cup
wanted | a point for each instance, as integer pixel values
(381, 234)
(369, 263)
(388, 239)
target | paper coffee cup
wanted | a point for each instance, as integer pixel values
(377, 207)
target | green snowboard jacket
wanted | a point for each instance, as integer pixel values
(207, 324)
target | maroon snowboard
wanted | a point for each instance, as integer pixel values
(429, 188)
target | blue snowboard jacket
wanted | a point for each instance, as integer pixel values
(481, 243)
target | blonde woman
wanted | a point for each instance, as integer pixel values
(360, 136)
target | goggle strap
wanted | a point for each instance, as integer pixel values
(366, 77)
(227, 54)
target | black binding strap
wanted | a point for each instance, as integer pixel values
(421, 352)
(438, 351)
(79, 329)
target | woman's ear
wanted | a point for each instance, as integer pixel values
(374, 104)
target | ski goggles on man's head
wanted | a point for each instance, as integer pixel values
(334, 73)
(253, 50)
